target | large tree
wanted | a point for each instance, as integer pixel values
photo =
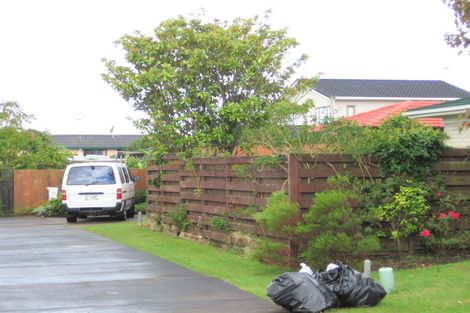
(11, 115)
(30, 149)
(460, 39)
(202, 83)
(26, 148)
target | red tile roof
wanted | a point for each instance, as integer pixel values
(376, 117)
(436, 122)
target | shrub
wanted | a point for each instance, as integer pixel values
(343, 136)
(158, 219)
(140, 207)
(269, 251)
(220, 223)
(374, 194)
(334, 230)
(140, 196)
(278, 213)
(405, 213)
(133, 162)
(405, 147)
(445, 231)
(245, 171)
(179, 217)
(157, 181)
(52, 208)
(446, 245)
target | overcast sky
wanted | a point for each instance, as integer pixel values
(51, 51)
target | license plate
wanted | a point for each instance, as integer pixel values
(90, 197)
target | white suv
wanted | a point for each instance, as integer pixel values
(100, 187)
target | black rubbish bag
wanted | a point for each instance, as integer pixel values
(351, 287)
(300, 292)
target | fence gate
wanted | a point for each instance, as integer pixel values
(6, 192)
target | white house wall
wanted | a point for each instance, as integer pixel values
(340, 107)
(319, 99)
(458, 139)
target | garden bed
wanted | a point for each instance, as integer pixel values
(419, 261)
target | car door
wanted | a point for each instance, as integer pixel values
(131, 183)
(126, 191)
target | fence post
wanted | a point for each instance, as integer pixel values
(293, 171)
(293, 175)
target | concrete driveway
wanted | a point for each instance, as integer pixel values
(49, 266)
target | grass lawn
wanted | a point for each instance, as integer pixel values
(443, 288)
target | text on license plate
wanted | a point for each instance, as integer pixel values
(90, 197)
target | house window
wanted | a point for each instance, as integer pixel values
(322, 113)
(350, 110)
(94, 151)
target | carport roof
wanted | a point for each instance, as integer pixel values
(95, 141)
(446, 105)
(456, 107)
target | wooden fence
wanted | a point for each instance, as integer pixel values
(235, 187)
(230, 187)
(308, 174)
(30, 186)
(6, 192)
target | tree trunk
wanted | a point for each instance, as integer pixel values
(293, 253)
(399, 246)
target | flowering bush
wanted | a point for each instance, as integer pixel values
(425, 233)
(454, 215)
(444, 232)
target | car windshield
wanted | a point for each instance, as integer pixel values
(91, 175)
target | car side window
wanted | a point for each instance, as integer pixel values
(126, 173)
(121, 175)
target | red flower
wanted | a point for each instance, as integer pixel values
(438, 194)
(442, 215)
(425, 233)
(454, 215)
